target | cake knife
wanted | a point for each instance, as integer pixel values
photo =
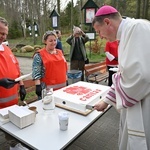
(90, 107)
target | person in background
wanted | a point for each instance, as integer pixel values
(130, 91)
(9, 71)
(58, 32)
(49, 65)
(111, 51)
(59, 43)
(77, 50)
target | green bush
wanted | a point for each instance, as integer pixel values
(15, 31)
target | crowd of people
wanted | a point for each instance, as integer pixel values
(49, 70)
(127, 48)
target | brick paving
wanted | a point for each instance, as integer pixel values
(102, 135)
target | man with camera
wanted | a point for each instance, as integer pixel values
(77, 50)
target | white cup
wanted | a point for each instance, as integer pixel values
(63, 120)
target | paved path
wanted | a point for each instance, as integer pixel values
(102, 135)
(25, 64)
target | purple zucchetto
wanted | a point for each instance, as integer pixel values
(105, 10)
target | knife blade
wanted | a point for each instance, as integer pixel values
(90, 107)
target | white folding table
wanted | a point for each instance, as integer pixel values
(45, 133)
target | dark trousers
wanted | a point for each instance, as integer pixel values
(78, 65)
(6, 141)
(110, 75)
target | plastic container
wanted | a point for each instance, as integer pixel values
(48, 101)
(74, 76)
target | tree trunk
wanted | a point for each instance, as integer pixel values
(138, 8)
(145, 16)
(58, 8)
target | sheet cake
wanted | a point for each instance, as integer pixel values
(76, 96)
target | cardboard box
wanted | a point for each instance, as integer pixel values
(21, 117)
(4, 112)
(77, 96)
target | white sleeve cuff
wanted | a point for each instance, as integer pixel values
(109, 102)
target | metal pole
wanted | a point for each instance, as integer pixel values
(34, 33)
(81, 13)
(90, 48)
(72, 16)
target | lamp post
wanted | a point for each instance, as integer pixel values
(81, 14)
(54, 18)
(71, 16)
(30, 30)
(35, 30)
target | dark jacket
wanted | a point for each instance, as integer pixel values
(71, 41)
(59, 45)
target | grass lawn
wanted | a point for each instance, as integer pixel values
(93, 56)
